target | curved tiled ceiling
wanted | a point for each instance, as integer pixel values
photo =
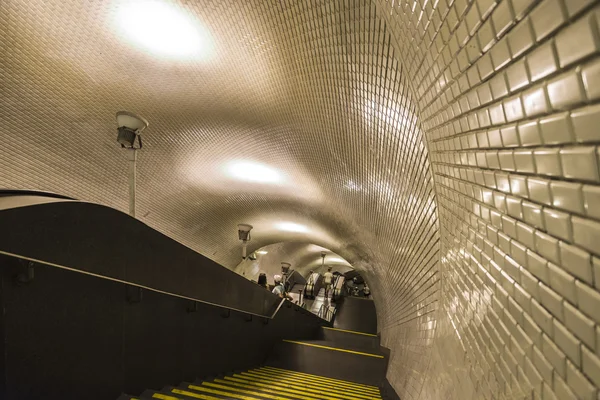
(372, 119)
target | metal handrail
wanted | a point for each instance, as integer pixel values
(6, 253)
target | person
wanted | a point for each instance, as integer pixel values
(262, 280)
(328, 280)
(366, 290)
(279, 290)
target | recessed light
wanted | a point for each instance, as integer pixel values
(291, 227)
(163, 29)
(253, 172)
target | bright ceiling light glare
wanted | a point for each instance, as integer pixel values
(253, 172)
(262, 252)
(291, 227)
(163, 29)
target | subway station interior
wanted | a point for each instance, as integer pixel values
(160, 158)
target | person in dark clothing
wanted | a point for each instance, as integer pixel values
(262, 280)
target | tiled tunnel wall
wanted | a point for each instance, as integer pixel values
(507, 94)
(452, 142)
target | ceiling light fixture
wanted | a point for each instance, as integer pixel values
(291, 227)
(253, 172)
(129, 128)
(163, 29)
(262, 252)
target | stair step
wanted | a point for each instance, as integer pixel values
(300, 375)
(183, 392)
(336, 346)
(267, 388)
(265, 383)
(308, 388)
(322, 359)
(350, 339)
(248, 392)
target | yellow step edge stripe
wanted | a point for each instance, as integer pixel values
(333, 390)
(245, 391)
(347, 331)
(323, 384)
(308, 386)
(291, 388)
(360, 353)
(212, 391)
(164, 397)
(267, 389)
(195, 395)
(319, 380)
(289, 371)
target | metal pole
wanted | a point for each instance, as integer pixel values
(132, 157)
(244, 250)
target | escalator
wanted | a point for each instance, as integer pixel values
(314, 282)
(338, 287)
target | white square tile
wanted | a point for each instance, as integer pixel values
(568, 196)
(542, 61)
(547, 162)
(580, 163)
(588, 300)
(586, 123)
(520, 38)
(562, 282)
(576, 261)
(558, 224)
(535, 101)
(565, 91)
(591, 79)
(524, 161)
(539, 190)
(556, 129)
(586, 233)
(584, 33)
(591, 200)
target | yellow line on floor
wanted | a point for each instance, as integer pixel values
(244, 391)
(345, 330)
(334, 380)
(307, 386)
(294, 390)
(164, 397)
(211, 391)
(360, 353)
(315, 382)
(317, 378)
(266, 388)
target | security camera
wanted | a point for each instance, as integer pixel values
(130, 127)
(244, 232)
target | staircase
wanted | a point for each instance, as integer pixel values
(266, 383)
(337, 354)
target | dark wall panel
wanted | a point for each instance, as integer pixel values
(62, 334)
(356, 314)
(71, 336)
(104, 241)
